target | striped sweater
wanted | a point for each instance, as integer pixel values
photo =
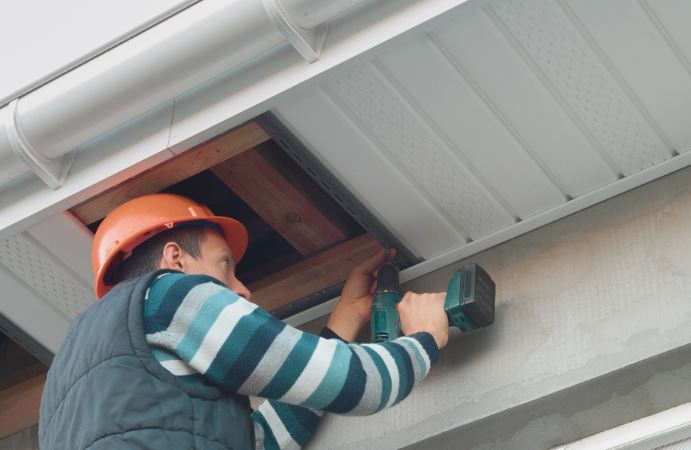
(201, 331)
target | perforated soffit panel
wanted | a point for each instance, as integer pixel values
(504, 115)
(45, 278)
(497, 118)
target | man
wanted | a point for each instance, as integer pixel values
(167, 358)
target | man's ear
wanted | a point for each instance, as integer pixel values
(172, 257)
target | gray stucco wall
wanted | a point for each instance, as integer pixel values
(592, 331)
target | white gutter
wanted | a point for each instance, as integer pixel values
(42, 129)
(116, 40)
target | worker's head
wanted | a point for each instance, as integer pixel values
(194, 248)
(165, 231)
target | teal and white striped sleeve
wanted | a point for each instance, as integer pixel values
(241, 347)
(281, 426)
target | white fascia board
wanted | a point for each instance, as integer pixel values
(656, 431)
(211, 109)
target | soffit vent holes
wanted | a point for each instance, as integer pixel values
(45, 275)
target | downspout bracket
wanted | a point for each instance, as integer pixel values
(50, 171)
(308, 43)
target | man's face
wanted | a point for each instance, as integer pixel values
(217, 261)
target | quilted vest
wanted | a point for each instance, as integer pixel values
(105, 390)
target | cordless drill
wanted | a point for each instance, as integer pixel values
(469, 301)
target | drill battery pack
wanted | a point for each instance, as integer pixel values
(470, 298)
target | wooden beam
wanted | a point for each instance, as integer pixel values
(316, 273)
(281, 194)
(19, 405)
(172, 171)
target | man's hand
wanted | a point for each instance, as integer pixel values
(424, 312)
(352, 311)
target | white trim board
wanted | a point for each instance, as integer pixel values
(661, 429)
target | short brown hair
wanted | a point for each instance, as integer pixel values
(146, 257)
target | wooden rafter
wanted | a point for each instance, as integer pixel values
(19, 405)
(314, 274)
(172, 171)
(285, 198)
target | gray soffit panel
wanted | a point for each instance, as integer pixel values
(502, 116)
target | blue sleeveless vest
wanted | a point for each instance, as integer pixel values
(105, 390)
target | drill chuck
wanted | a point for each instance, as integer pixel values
(387, 278)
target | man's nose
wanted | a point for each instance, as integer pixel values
(239, 288)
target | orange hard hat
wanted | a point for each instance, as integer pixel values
(137, 220)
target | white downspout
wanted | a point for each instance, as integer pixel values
(42, 129)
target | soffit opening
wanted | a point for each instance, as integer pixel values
(302, 241)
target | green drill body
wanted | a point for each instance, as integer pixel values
(469, 303)
(385, 321)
